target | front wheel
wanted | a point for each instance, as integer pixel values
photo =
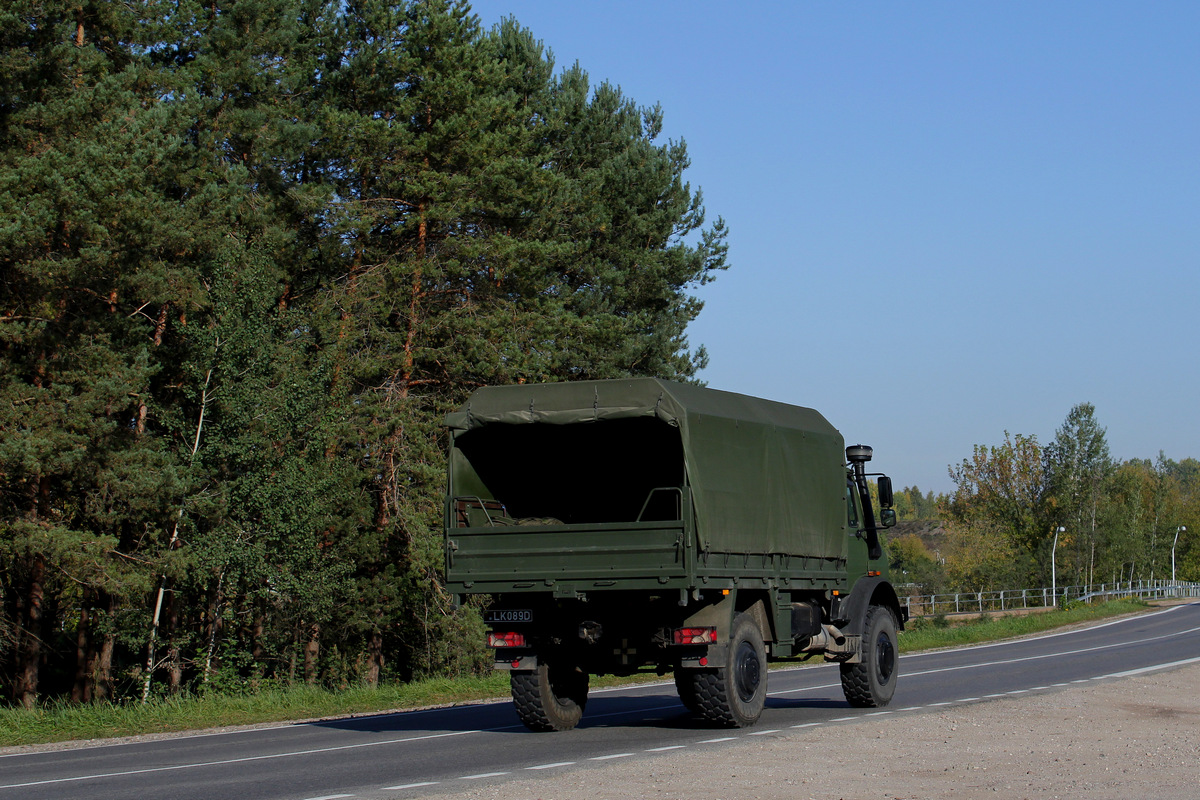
(551, 697)
(872, 682)
(734, 695)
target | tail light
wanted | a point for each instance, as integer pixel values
(505, 639)
(695, 635)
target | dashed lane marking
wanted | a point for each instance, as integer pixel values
(243, 760)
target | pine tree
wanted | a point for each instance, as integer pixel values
(258, 522)
(82, 155)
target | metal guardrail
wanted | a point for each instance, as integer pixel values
(1010, 599)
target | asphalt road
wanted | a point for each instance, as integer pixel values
(407, 754)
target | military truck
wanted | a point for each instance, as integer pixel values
(637, 525)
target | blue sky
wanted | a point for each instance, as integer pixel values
(947, 219)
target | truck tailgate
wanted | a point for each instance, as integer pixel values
(592, 556)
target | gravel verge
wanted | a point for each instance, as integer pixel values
(1118, 738)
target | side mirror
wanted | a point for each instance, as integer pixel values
(885, 492)
(887, 517)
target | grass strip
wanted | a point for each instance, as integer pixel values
(61, 721)
(929, 633)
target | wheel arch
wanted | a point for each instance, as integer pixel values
(867, 592)
(755, 604)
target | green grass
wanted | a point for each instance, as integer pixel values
(58, 721)
(932, 633)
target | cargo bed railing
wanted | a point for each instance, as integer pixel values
(650, 496)
(464, 504)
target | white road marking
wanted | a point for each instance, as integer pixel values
(1053, 635)
(1002, 662)
(243, 760)
(1153, 668)
(762, 733)
(553, 766)
(409, 786)
(668, 747)
(330, 797)
(805, 689)
(714, 741)
(482, 775)
(613, 755)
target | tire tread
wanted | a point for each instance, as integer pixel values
(856, 678)
(536, 706)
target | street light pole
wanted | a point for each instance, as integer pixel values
(1053, 565)
(1177, 530)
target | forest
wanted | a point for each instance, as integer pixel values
(252, 251)
(1018, 504)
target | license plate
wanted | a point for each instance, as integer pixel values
(508, 615)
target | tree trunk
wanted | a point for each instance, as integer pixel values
(292, 657)
(174, 656)
(214, 627)
(29, 652)
(171, 544)
(100, 672)
(257, 630)
(85, 655)
(375, 667)
(312, 650)
(160, 324)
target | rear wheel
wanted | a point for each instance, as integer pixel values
(872, 682)
(734, 695)
(551, 697)
(686, 686)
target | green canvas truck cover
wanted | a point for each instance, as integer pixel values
(766, 477)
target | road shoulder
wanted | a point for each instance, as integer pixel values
(1115, 738)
